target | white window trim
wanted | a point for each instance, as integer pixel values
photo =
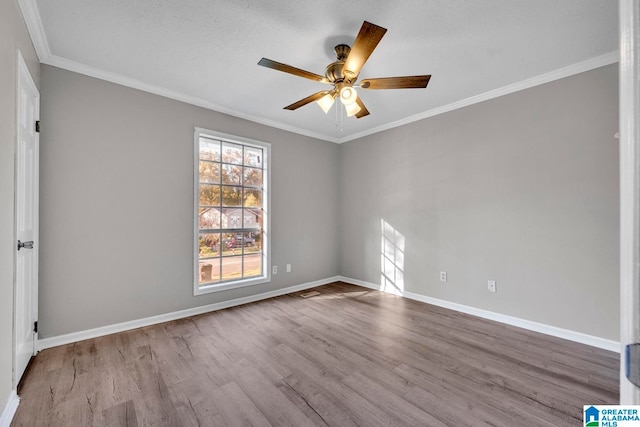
(266, 222)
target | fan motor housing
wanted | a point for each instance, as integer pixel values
(333, 71)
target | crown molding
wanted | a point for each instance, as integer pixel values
(580, 67)
(87, 70)
(32, 19)
(31, 16)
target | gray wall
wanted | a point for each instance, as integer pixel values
(522, 189)
(117, 200)
(13, 36)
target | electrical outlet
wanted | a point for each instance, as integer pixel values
(443, 276)
(491, 285)
(275, 269)
(288, 268)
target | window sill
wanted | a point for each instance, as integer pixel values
(207, 289)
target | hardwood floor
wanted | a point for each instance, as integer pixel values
(347, 357)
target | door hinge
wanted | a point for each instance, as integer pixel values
(37, 125)
(35, 326)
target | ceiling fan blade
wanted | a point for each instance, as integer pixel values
(407, 82)
(363, 110)
(292, 70)
(306, 100)
(366, 41)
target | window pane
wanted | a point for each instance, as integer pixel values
(209, 149)
(231, 174)
(252, 197)
(253, 176)
(209, 271)
(232, 218)
(251, 242)
(252, 265)
(231, 196)
(209, 195)
(230, 246)
(253, 156)
(209, 172)
(232, 268)
(252, 215)
(259, 238)
(231, 153)
(250, 219)
(208, 218)
(209, 245)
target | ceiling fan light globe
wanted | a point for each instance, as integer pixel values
(326, 102)
(348, 95)
(352, 109)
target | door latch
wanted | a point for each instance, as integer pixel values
(26, 245)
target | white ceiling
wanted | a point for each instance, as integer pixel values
(206, 51)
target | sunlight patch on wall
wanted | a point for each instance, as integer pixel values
(391, 259)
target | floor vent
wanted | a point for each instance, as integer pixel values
(310, 294)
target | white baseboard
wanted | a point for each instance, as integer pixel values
(9, 409)
(147, 321)
(502, 318)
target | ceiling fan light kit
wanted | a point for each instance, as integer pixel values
(348, 95)
(352, 109)
(343, 75)
(326, 102)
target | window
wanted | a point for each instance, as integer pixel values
(231, 181)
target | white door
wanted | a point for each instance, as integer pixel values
(26, 196)
(629, 200)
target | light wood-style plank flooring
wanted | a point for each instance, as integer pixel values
(347, 357)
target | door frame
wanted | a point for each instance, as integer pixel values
(24, 78)
(629, 18)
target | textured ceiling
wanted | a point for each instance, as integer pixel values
(206, 52)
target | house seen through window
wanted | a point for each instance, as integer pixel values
(231, 189)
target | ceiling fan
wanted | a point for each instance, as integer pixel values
(343, 74)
